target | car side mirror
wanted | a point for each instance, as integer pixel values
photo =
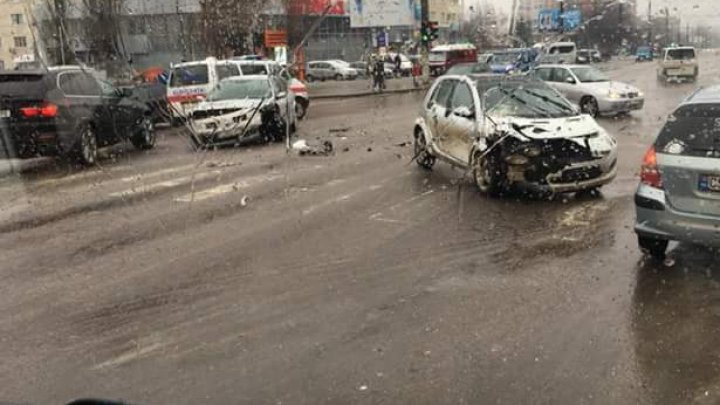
(463, 112)
(570, 80)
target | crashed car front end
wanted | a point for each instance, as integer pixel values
(218, 123)
(554, 163)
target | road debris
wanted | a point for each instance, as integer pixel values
(302, 148)
(336, 130)
(244, 201)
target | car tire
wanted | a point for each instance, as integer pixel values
(655, 248)
(86, 149)
(310, 78)
(145, 138)
(590, 106)
(339, 77)
(485, 174)
(300, 109)
(423, 157)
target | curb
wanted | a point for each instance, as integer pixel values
(366, 94)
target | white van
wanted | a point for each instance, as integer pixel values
(190, 82)
(559, 52)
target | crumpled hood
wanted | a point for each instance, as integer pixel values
(239, 104)
(605, 87)
(553, 128)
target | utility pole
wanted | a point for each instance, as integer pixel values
(513, 12)
(425, 45)
(561, 19)
(651, 40)
(667, 27)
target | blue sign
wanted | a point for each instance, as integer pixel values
(382, 39)
(549, 19)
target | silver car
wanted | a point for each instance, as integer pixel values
(591, 89)
(513, 132)
(679, 194)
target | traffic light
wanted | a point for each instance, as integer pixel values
(433, 27)
(429, 31)
(424, 33)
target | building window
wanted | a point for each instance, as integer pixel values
(20, 42)
(17, 19)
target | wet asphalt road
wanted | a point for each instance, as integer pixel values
(253, 276)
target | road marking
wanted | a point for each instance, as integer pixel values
(163, 185)
(226, 188)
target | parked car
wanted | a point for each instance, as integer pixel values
(644, 53)
(591, 89)
(242, 107)
(513, 132)
(678, 64)
(558, 52)
(585, 56)
(362, 69)
(190, 82)
(326, 70)
(513, 60)
(443, 57)
(678, 198)
(300, 91)
(406, 64)
(68, 112)
(468, 69)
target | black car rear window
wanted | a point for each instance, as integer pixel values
(22, 85)
(681, 54)
(692, 130)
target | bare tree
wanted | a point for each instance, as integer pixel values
(228, 25)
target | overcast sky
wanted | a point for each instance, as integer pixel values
(705, 12)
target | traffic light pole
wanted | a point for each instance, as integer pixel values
(424, 45)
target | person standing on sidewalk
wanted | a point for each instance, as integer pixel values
(398, 65)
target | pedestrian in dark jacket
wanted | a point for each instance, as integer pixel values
(398, 65)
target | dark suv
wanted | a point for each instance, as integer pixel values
(67, 111)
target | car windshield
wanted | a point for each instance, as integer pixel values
(189, 75)
(681, 54)
(525, 100)
(438, 56)
(253, 69)
(240, 89)
(589, 75)
(505, 58)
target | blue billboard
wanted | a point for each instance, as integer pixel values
(549, 19)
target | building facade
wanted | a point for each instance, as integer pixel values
(16, 39)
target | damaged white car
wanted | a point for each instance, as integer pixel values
(513, 132)
(245, 107)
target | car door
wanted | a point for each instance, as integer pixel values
(86, 106)
(543, 73)
(460, 124)
(438, 111)
(559, 78)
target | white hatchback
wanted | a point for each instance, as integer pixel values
(513, 132)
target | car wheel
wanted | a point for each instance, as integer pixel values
(300, 109)
(145, 137)
(339, 77)
(87, 147)
(310, 78)
(423, 157)
(590, 107)
(656, 248)
(486, 174)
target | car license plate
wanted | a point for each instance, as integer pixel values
(709, 183)
(4, 113)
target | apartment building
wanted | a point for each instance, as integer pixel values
(16, 39)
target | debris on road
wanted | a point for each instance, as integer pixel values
(302, 148)
(336, 130)
(402, 144)
(369, 149)
(244, 201)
